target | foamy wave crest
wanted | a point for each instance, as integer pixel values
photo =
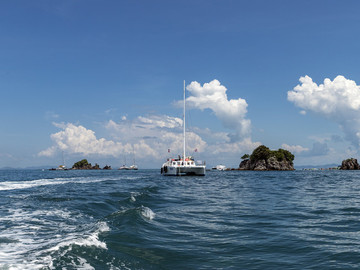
(133, 196)
(11, 185)
(90, 240)
(26, 245)
(146, 212)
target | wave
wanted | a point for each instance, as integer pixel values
(34, 242)
(13, 185)
(147, 213)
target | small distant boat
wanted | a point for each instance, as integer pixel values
(124, 167)
(133, 167)
(184, 165)
(60, 167)
(219, 167)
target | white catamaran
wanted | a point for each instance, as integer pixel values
(185, 165)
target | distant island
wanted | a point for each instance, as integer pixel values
(350, 164)
(85, 165)
(264, 159)
(81, 165)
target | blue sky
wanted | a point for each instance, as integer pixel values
(101, 80)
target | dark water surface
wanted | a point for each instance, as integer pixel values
(142, 220)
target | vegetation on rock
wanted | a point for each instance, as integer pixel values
(85, 165)
(264, 159)
(246, 156)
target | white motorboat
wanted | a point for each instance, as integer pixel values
(133, 167)
(220, 168)
(185, 165)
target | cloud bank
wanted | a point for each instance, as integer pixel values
(78, 139)
(150, 137)
(294, 148)
(337, 100)
(231, 113)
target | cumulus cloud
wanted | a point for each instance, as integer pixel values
(318, 149)
(147, 136)
(78, 139)
(244, 146)
(337, 100)
(231, 113)
(294, 148)
(159, 132)
(152, 136)
(161, 121)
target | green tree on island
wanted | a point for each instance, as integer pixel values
(81, 164)
(262, 158)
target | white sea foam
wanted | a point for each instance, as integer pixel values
(83, 264)
(147, 212)
(34, 239)
(11, 185)
(133, 196)
(90, 240)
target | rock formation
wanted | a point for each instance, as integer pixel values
(350, 164)
(263, 159)
(85, 165)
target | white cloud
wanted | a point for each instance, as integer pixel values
(147, 136)
(161, 121)
(237, 148)
(152, 136)
(337, 100)
(78, 139)
(159, 132)
(231, 113)
(294, 148)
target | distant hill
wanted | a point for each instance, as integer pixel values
(28, 168)
(325, 166)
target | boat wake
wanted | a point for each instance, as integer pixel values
(39, 239)
(13, 185)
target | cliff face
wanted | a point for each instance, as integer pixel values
(350, 164)
(264, 159)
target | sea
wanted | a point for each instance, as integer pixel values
(111, 219)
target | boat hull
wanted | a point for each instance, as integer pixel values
(183, 170)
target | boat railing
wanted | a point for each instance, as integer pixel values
(200, 162)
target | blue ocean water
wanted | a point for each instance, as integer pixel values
(142, 220)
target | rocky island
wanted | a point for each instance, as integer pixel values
(85, 165)
(350, 164)
(264, 159)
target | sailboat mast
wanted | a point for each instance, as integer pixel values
(184, 122)
(63, 159)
